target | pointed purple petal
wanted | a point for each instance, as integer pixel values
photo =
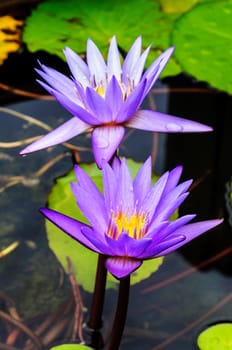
(94, 213)
(173, 179)
(171, 201)
(138, 70)
(152, 198)
(160, 122)
(72, 106)
(80, 92)
(153, 72)
(116, 165)
(135, 248)
(157, 231)
(70, 226)
(124, 194)
(113, 61)
(121, 267)
(105, 141)
(110, 186)
(64, 132)
(142, 182)
(176, 224)
(155, 250)
(131, 104)
(190, 232)
(169, 209)
(87, 183)
(71, 94)
(127, 246)
(96, 62)
(96, 240)
(166, 228)
(78, 67)
(131, 59)
(117, 246)
(98, 106)
(114, 97)
(57, 80)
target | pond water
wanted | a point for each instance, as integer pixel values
(193, 287)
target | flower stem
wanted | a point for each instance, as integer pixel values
(95, 318)
(120, 315)
(95, 322)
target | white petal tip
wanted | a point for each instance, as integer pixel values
(24, 151)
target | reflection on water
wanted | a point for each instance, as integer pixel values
(164, 309)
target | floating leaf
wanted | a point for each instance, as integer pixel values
(178, 6)
(85, 261)
(204, 43)
(71, 347)
(215, 337)
(72, 24)
(10, 33)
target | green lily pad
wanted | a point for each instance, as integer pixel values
(71, 347)
(179, 6)
(203, 39)
(218, 336)
(85, 261)
(70, 24)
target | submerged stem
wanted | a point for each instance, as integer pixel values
(95, 319)
(120, 315)
(95, 323)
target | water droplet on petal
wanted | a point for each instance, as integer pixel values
(174, 127)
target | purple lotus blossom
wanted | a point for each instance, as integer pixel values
(104, 97)
(130, 222)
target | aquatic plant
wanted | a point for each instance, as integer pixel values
(105, 97)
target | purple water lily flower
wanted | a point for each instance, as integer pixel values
(104, 97)
(130, 222)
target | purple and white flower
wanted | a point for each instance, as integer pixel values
(104, 98)
(130, 222)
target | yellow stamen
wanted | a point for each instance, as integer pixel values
(100, 90)
(126, 90)
(134, 225)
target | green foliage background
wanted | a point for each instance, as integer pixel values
(71, 347)
(200, 30)
(215, 337)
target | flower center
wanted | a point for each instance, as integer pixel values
(134, 225)
(125, 88)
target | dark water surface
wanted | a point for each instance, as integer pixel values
(163, 314)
